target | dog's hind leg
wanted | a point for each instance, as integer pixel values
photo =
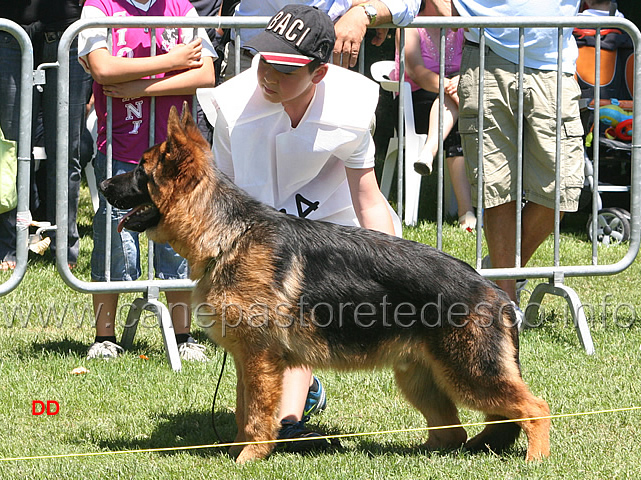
(514, 401)
(262, 378)
(417, 383)
(495, 437)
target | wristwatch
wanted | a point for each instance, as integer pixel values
(370, 11)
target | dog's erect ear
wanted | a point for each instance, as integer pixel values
(175, 128)
(186, 118)
(183, 130)
(191, 129)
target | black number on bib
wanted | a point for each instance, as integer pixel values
(304, 206)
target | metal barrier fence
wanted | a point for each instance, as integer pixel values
(151, 288)
(23, 217)
(557, 272)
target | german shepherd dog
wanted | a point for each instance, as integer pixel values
(278, 291)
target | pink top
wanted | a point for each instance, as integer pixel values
(429, 39)
(131, 115)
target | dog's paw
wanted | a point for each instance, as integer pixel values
(253, 452)
(234, 451)
(444, 440)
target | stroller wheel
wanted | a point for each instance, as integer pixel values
(623, 212)
(613, 226)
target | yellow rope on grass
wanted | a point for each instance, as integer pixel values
(343, 435)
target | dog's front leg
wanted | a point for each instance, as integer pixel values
(262, 377)
(241, 410)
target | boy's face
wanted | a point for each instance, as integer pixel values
(279, 87)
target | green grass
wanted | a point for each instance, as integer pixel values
(132, 403)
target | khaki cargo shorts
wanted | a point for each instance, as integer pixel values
(500, 104)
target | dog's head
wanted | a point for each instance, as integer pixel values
(165, 173)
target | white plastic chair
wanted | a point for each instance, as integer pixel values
(413, 144)
(92, 126)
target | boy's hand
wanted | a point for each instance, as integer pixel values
(186, 55)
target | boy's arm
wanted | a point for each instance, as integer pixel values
(369, 204)
(183, 83)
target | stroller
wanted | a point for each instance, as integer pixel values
(613, 127)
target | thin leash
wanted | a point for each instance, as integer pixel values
(213, 403)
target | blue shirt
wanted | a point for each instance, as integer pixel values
(541, 50)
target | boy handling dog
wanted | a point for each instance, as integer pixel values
(278, 291)
(294, 133)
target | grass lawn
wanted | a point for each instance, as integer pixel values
(137, 402)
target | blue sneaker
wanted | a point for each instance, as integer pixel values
(292, 430)
(316, 400)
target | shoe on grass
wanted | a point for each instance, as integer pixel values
(192, 351)
(105, 350)
(316, 399)
(290, 430)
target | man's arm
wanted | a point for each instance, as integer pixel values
(351, 27)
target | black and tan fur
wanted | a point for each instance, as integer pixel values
(285, 274)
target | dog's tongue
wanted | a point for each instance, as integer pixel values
(123, 220)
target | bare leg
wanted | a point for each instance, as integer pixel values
(429, 151)
(296, 383)
(537, 224)
(461, 186)
(180, 310)
(105, 306)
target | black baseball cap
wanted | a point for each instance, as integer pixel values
(294, 37)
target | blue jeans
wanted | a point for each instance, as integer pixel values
(10, 62)
(125, 247)
(46, 50)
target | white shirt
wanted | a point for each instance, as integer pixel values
(299, 170)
